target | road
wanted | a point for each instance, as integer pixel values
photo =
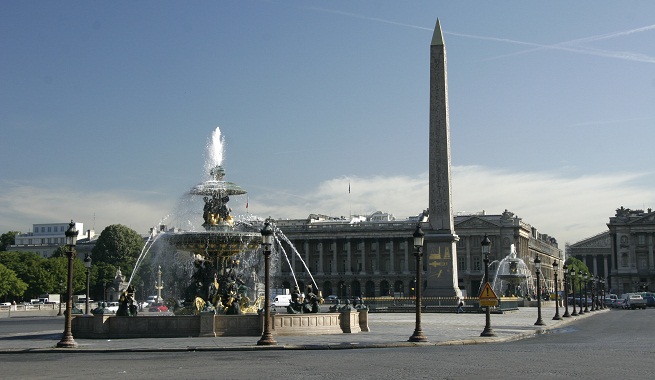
(616, 344)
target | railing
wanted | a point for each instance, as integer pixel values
(434, 304)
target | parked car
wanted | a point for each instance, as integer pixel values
(634, 301)
(331, 299)
(112, 307)
(157, 307)
(650, 301)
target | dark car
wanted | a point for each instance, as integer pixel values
(158, 307)
(650, 301)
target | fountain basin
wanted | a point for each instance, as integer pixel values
(211, 325)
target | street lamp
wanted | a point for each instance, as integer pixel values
(575, 313)
(61, 286)
(67, 340)
(566, 291)
(602, 293)
(586, 304)
(267, 244)
(594, 296)
(486, 248)
(418, 245)
(537, 269)
(580, 279)
(87, 264)
(556, 317)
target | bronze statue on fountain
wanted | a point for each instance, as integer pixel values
(308, 303)
(126, 306)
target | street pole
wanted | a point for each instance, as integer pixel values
(566, 291)
(418, 245)
(537, 266)
(556, 317)
(67, 340)
(267, 244)
(486, 247)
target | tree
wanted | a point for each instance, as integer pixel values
(7, 239)
(117, 246)
(11, 287)
(580, 267)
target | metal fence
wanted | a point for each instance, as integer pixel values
(434, 304)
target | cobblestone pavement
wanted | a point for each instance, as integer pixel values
(387, 330)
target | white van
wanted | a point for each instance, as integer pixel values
(282, 300)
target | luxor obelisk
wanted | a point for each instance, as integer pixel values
(440, 238)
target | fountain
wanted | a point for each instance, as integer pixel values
(513, 277)
(227, 262)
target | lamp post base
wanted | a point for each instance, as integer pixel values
(488, 331)
(418, 337)
(266, 340)
(539, 322)
(67, 342)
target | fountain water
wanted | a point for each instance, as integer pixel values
(223, 263)
(513, 277)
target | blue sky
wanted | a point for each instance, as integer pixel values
(106, 108)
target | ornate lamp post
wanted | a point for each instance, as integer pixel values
(486, 248)
(67, 340)
(566, 292)
(87, 264)
(586, 304)
(602, 292)
(61, 286)
(575, 313)
(556, 317)
(537, 269)
(580, 279)
(418, 245)
(267, 244)
(593, 289)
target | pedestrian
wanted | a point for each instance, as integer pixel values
(460, 305)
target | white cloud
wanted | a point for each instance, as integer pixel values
(565, 207)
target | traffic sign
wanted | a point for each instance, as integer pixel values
(487, 293)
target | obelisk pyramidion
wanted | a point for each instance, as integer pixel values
(440, 238)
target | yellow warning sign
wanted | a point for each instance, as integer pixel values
(487, 293)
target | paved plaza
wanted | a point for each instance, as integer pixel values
(387, 330)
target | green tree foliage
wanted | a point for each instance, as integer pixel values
(43, 275)
(7, 239)
(119, 246)
(580, 267)
(11, 287)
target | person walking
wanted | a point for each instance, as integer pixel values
(460, 306)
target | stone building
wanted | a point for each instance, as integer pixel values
(624, 254)
(46, 238)
(375, 256)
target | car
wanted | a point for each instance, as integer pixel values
(650, 301)
(331, 299)
(158, 308)
(619, 303)
(112, 307)
(5, 304)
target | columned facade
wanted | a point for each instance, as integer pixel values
(376, 258)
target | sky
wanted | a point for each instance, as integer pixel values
(107, 108)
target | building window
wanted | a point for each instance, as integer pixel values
(461, 262)
(641, 239)
(476, 262)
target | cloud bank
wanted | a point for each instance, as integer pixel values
(567, 208)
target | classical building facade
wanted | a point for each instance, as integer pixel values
(46, 238)
(624, 254)
(375, 256)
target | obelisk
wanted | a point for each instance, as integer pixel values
(440, 238)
